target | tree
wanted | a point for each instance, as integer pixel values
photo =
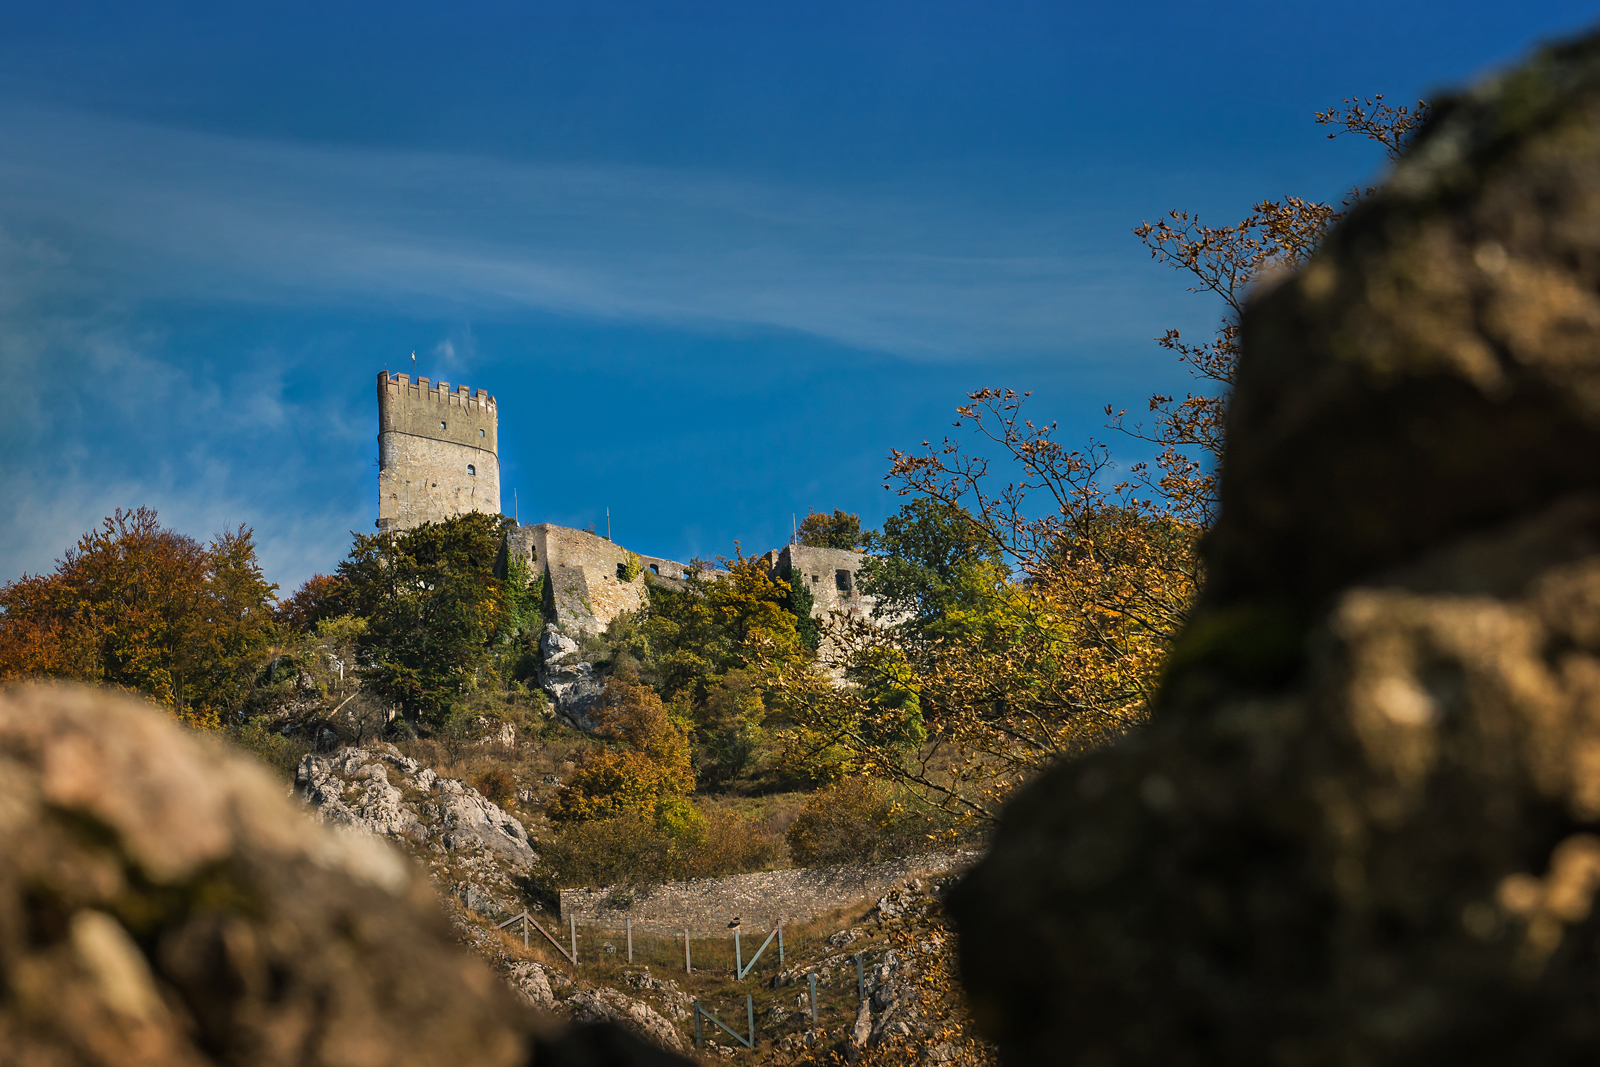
(933, 569)
(801, 604)
(322, 597)
(839, 530)
(139, 606)
(434, 611)
(1062, 647)
(1277, 236)
(723, 620)
(644, 767)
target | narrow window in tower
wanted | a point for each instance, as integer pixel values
(441, 424)
(472, 470)
(480, 433)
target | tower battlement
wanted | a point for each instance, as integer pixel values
(438, 451)
(396, 386)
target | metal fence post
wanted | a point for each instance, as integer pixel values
(813, 977)
(750, 1015)
(861, 981)
(738, 956)
(630, 939)
(780, 942)
(573, 919)
(697, 1038)
(524, 927)
(688, 967)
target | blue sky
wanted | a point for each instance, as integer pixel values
(715, 260)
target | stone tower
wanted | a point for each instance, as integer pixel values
(438, 452)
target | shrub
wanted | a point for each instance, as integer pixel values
(497, 784)
(629, 847)
(645, 763)
(850, 821)
(282, 754)
(677, 841)
(732, 844)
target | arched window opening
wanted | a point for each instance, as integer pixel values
(472, 469)
(441, 424)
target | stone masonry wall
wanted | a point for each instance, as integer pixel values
(830, 574)
(706, 906)
(586, 574)
(438, 452)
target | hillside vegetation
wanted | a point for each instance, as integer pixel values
(1026, 613)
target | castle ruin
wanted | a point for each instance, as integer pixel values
(438, 457)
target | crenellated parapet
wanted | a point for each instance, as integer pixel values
(394, 387)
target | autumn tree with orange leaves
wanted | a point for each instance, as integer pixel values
(144, 608)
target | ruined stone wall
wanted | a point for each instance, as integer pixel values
(438, 452)
(705, 906)
(587, 574)
(830, 574)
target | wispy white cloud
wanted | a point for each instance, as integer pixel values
(917, 274)
(101, 220)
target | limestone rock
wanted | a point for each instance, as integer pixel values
(607, 1005)
(571, 682)
(861, 1029)
(674, 1001)
(161, 902)
(1364, 823)
(351, 788)
(532, 984)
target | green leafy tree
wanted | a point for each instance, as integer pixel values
(934, 570)
(434, 610)
(801, 604)
(723, 620)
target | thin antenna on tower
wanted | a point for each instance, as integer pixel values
(608, 524)
(794, 529)
(515, 513)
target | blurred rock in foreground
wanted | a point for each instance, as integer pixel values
(162, 902)
(1362, 827)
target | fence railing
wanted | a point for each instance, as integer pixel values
(528, 920)
(750, 1017)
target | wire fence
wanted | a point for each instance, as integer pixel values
(720, 961)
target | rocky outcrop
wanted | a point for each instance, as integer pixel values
(1361, 827)
(571, 681)
(600, 1004)
(162, 902)
(487, 849)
